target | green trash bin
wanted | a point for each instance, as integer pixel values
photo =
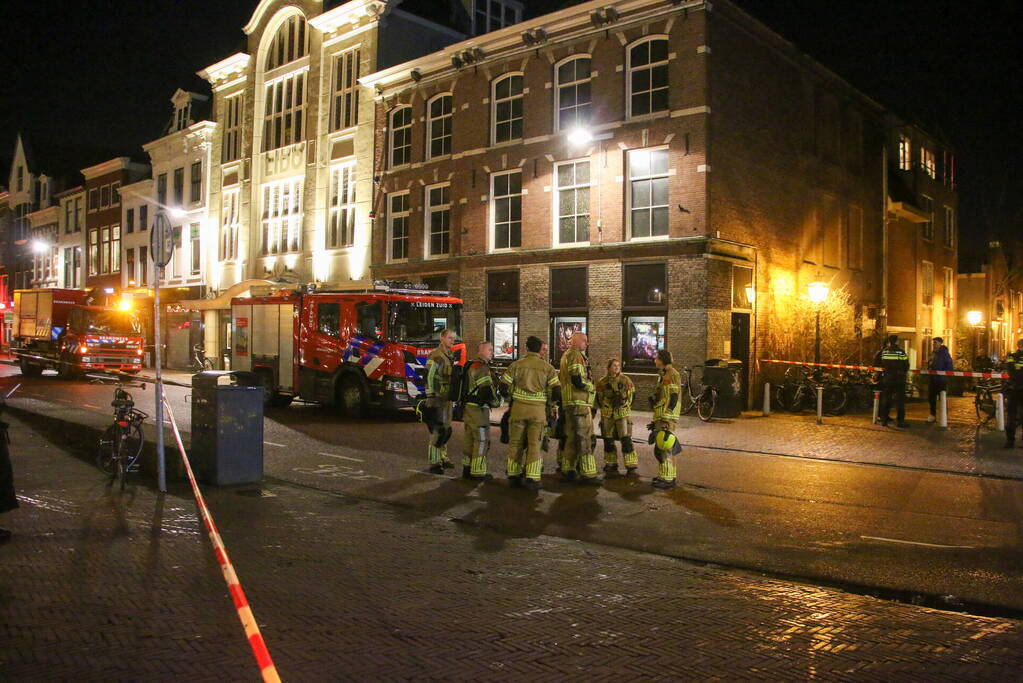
(725, 375)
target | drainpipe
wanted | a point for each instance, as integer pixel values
(884, 240)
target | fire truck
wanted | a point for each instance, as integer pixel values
(352, 349)
(56, 328)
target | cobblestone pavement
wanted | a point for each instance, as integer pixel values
(99, 585)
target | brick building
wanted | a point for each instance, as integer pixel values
(103, 221)
(659, 174)
(992, 286)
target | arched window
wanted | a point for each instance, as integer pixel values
(401, 136)
(506, 112)
(572, 89)
(648, 76)
(291, 42)
(438, 125)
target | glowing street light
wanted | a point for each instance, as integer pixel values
(974, 317)
(579, 136)
(40, 247)
(177, 213)
(818, 292)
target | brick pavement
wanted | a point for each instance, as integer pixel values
(96, 585)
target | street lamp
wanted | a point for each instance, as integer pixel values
(818, 292)
(579, 136)
(975, 318)
(39, 246)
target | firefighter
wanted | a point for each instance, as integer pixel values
(895, 366)
(533, 385)
(1013, 364)
(577, 402)
(437, 415)
(480, 396)
(667, 405)
(614, 398)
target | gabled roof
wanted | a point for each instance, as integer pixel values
(59, 159)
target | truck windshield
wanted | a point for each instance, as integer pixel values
(111, 322)
(421, 322)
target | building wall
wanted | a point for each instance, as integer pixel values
(100, 217)
(71, 238)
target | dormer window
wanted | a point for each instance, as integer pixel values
(290, 43)
(182, 115)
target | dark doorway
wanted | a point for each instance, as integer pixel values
(740, 349)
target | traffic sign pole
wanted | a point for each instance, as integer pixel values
(161, 248)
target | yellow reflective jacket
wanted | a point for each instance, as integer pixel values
(531, 379)
(614, 396)
(438, 377)
(574, 363)
(670, 383)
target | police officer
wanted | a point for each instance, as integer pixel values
(577, 401)
(614, 398)
(895, 366)
(533, 385)
(439, 366)
(481, 396)
(1013, 364)
(667, 406)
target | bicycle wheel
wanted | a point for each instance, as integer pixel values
(132, 443)
(705, 404)
(106, 460)
(780, 397)
(207, 364)
(985, 406)
(687, 401)
(835, 399)
(122, 469)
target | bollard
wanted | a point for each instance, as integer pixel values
(767, 399)
(820, 404)
(943, 409)
(877, 399)
(999, 413)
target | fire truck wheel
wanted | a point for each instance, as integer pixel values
(351, 397)
(30, 369)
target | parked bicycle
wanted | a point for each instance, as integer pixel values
(200, 362)
(121, 444)
(984, 401)
(798, 391)
(697, 394)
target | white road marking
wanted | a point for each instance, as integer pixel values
(89, 405)
(271, 443)
(341, 457)
(430, 474)
(926, 545)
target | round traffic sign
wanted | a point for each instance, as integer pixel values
(161, 240)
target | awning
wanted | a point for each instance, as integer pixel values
(223, 302)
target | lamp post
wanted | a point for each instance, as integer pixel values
(818, 292)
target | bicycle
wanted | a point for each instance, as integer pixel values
(121, 443)
(200, 362)
(984, 401)
(798, 391)
(703, 400)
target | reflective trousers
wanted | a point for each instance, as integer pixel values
(578, 452)
(525, 433)
(476, 442)
(440, 430)
(665, 460)
(620, 429)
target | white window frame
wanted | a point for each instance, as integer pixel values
(281, 217)
(494, 102)
(429, 209)
(505, 5)
(392, 215)
(556, 209)
(340, 233)
(492, 219)
(287, 116)
(631, 71)
(289, 44)
(344, 100)
(558, 85)
(949, 238)
(393, 129)
(230, 219)
(628, 194)
(927, 227)
(431, 120)
(231, 145)
(194, 249)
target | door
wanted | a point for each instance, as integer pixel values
(740, 349)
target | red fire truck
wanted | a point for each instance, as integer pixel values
(354, 349)
(55, 328)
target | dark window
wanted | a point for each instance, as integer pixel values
(369, 318)
(503, 291)
(104, 196)
(568, 288)
(129, 220)
(645, 286)
(115, 194)
(328, 319)
(179, 186)
(143, 218)
(436, 283)
(196, 182)
(143, 266)
(161, 190)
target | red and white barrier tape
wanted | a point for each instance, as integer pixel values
(951, 373)
(259, 649)
(823, 365)
(947, 373)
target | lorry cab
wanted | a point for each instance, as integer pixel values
(353, 349)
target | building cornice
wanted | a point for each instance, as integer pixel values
(350, 15)
(136, 188)
(261, 9)
(226, 69)
(203, 130)
(78, 189)
(116, 164)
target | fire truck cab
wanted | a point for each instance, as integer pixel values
(357, 350)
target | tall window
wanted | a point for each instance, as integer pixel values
(93, 238)
(104, 196)
(282, 216)
(161, 190)
(232, 143)
(115, 193)
(927, 283)
(507, 108)
(288, 44)
(506, 210)
(490, 15)
(21, 178)
(401, 136)
(78, 214)
(648, 192)
(195, 178)
(143, 266)
(93, 199)
(143, 218)
(438, 220)
(68, 217)
(229, 219)
(927, 161)
(115, 249)
(397, 225)
(573, 92)
(104, 250)
(947, 286)
(129, 220)
(573, 202)
(438, 125)
(129, 267)
(648, 77)
(195, 243)
(950, 227)
(179, 186)
(284, 109)
(341, 222)
(905, 153)
(345, 104)
(644, 309)
(927, 227)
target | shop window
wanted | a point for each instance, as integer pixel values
(328, 319)
(562, 329)
(503, 291)
(504, 333)
(645, 302)
(644, 337)
(645, 286)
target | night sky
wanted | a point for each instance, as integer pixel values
(102, 73)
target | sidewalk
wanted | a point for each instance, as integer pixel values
(100, 585)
